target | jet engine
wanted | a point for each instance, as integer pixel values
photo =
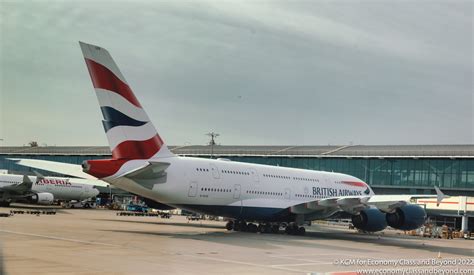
(407, 217)
(42, 198)
(370, 220)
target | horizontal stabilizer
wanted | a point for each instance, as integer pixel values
(151, 170)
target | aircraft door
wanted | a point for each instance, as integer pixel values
(236, 191)
(254, 174)
(193, 188)
(287, 193)
(215, 171)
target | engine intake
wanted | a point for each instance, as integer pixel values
(371, 220)
(407, 217)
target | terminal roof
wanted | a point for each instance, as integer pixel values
(466, 150)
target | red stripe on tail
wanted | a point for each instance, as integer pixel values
(105, 79)
(132, 149)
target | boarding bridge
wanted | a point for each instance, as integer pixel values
(461, 206)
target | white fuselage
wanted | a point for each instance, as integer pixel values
(61, 188)
(242, 190)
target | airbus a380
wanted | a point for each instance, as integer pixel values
(42, 190)
(248, 194)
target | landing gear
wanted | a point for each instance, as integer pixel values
(276, 228)
(293, 229)
(240, 226)
(301, 231)
(229, 226)
(252, 228)
(265, 228)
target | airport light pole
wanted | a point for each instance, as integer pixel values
(212, 142)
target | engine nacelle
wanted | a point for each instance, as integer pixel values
(43, 198)
(371, 220)
(407, 217)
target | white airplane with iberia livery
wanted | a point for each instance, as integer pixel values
(44, 190)
(254, 197)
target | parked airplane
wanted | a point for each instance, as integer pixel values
(248, 194)
(42, 190)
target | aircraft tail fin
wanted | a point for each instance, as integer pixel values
(130, 133)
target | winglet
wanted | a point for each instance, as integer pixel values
(439, 195)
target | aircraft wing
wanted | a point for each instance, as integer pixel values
(354, 204)
(20, 188)
(74, 170)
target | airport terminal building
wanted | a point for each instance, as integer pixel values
(413, 169)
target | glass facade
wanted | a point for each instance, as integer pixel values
(387, 172)
(446, 173)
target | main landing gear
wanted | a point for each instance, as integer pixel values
(272, 228)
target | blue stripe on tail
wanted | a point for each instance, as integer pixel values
(113, 118)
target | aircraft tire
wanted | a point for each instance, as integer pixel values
(252, 228)
(229, 226)
(275, 228)
(301, 231)
(236, 226)
(243, 226)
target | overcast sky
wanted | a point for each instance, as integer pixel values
(257, 72)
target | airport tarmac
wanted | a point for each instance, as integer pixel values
(92, 241)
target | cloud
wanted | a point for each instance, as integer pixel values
(267, 72)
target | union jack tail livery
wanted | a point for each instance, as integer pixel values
(130, 132)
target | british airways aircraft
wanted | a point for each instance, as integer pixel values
(256, 198)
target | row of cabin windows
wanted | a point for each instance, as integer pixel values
(306, 179)
(216, 190)
(235, 172)
(202, 169)
(305, 196)
(287, 177)
(7, 181)
(264, 193)
(276, 176)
